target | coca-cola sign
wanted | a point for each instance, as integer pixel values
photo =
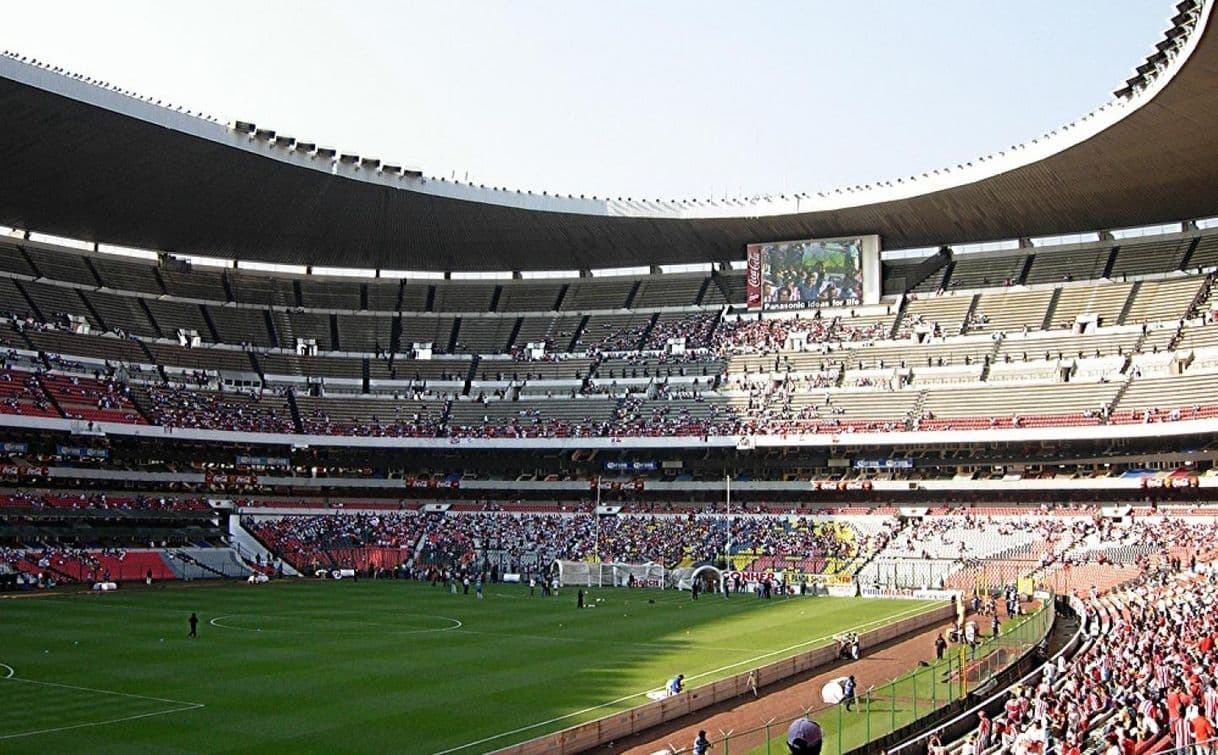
(753, 281)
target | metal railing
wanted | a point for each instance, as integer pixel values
(883, 709)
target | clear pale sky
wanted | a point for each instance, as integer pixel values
(646, 98)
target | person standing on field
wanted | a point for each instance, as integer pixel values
(848, 698)
(579, 599)
(194, 625)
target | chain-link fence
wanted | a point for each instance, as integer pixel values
(879, 710)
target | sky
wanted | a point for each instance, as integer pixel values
(668, 99)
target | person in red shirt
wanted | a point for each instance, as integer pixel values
(1203, 732)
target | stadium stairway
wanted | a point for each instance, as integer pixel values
(250, 548)
(206, 563)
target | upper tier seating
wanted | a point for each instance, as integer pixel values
(936, 361)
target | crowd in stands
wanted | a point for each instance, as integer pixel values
(174, 406)
(538, 538)
(1147, 680)
(100, 501)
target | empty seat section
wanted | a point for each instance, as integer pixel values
(434, 330)
(668, 291)
(238, 326)
(463, 297)
(946, 311)
(364, 333)
(485, 335)
(414, 297)
(1006, 311)
(983, 270)
(1064, 344)
(200, 283)
(329, 294)
(313, 326)
(936, 353)
(201, 358)
(13, 261)
(555, 332)
(109, 348)
(263, 290)
(61, 266)
(54, 301)
(529, 297)
(999, 405)
(1142, 257)
(1068, 264)
(447, 370)
(172, 316)
(11, 300)
(128, 276)
(295, 365)
(1198, 337)
(1191, 396)
(1103, 299)
(383, 297)
(646, 367)
(571, 370)
(1206, 253)
(590, 294)
(734, 284)
(122, 312)
(1163, 300)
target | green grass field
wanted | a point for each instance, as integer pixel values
(370, 667)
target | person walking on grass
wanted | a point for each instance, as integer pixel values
(194, 625)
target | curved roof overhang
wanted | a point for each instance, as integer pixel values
(88, 162)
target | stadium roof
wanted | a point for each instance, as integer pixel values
(86, 161)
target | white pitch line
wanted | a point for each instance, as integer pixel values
(181, 706)
(11, 671)
(748, 661)
(35, 732)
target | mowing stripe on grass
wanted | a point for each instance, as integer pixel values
(747, 662)
(456, 624)
(179, 706)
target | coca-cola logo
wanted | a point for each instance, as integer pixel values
(754, 274)
(753, 279)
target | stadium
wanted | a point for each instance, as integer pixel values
(340, 456)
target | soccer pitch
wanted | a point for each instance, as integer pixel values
(371, 666)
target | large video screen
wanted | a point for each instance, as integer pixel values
(811, 273)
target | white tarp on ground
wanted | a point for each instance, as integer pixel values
(608, 574)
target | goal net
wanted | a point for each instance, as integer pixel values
(608, 574)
